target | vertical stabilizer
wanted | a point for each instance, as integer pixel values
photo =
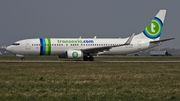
(154, 28)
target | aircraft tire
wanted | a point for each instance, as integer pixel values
(85, 58)
(91, 58)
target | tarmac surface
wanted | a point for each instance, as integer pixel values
(40, 61)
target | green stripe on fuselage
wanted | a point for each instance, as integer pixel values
(48, 46)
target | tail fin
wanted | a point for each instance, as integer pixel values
(154, 28)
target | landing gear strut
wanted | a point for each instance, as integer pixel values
(90, 58)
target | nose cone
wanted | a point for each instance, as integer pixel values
(9, 48)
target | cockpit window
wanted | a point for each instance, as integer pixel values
(16, 44)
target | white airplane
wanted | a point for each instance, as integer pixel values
(86, 48)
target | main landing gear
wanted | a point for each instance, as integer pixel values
(90, 58)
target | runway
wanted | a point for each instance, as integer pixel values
(40, 61)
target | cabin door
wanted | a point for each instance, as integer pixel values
(27, 45)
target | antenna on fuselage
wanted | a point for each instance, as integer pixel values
(95, 37)
(80, 37)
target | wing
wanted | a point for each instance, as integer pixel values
(106, 48)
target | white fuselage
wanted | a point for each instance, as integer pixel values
(59, 46)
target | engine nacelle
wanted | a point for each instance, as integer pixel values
(74, 54)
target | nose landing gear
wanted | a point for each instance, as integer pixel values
(22, 58)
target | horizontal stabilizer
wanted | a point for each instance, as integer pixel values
(162, 40)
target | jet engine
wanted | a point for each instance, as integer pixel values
(74, 54)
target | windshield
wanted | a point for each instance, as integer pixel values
(16, 44)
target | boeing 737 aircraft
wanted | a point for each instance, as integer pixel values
(86, 48)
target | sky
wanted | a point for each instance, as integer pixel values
(23, 19)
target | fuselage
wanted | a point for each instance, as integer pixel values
(59, 46)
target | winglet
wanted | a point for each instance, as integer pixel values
(128, 42)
